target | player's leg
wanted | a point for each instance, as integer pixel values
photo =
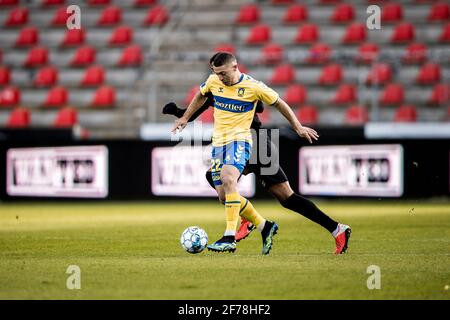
(230, 171)
(232, 208)
(278, 185)
(295, 202)
(234, 202)
(246, 226)
(227, 242)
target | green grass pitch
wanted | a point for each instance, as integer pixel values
(132, 251)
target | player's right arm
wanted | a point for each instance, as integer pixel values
(198, 100)
(195, 104)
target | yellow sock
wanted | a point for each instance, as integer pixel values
(250, 213)
(232, 206)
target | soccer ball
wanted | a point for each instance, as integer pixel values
(194, 239)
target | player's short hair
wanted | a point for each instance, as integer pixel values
(221, 58)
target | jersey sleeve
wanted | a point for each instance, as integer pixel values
(266, 94)
(205, 87)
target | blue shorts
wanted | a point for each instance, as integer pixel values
(235, 153)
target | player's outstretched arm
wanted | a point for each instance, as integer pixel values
(304, 132)
(195, 104)
(173, 109)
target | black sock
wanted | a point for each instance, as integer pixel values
(228, 238)
(309, 210)
(267, 226)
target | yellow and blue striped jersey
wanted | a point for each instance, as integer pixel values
(234, 107)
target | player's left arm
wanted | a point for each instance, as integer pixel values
(304, 132)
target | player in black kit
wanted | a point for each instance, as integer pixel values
(277, 184)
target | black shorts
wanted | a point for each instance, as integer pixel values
(254, 165)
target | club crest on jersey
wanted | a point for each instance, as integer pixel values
(241, 92)
(220, 89)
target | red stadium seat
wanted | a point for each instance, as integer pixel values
(440, 94)
(83, 56)
(36, 57)
(356, 115)
(429, 73)
(131, 56)
(105, 96)
(308, 115)
(393, 94)
(355, 33)
(27, 37)
(47, 3)
(56, 97)
(17, 17)
(138, 3)
(46, 77)
(207, 116)
(281, 2)
(157, 16)
(346, 93)
(283, 74)
(415, 53)
(122, 35)
(405, 113)
(445, 34)
(331, 74)
(391, 12)
(5, 3)
(66, 117)
(343, 13)
(248, 13)
(93, 76)
(74, 37)
(295, 13)
(98, 2)
(319, 53)
(380, 73)
(259, 34)
(368, 52)
(226, 47)
(110, 16)
(307, 33)
(19, 118)
(272, 53)
(190, 95)
(295, 94)
(5, 76)
(60, 17)
(403, 32)
(439, 12)
(9, 97)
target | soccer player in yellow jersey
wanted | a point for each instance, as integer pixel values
(235, 97)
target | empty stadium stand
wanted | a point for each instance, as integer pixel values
(131, 57)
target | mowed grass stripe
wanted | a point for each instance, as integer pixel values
(132, 251)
